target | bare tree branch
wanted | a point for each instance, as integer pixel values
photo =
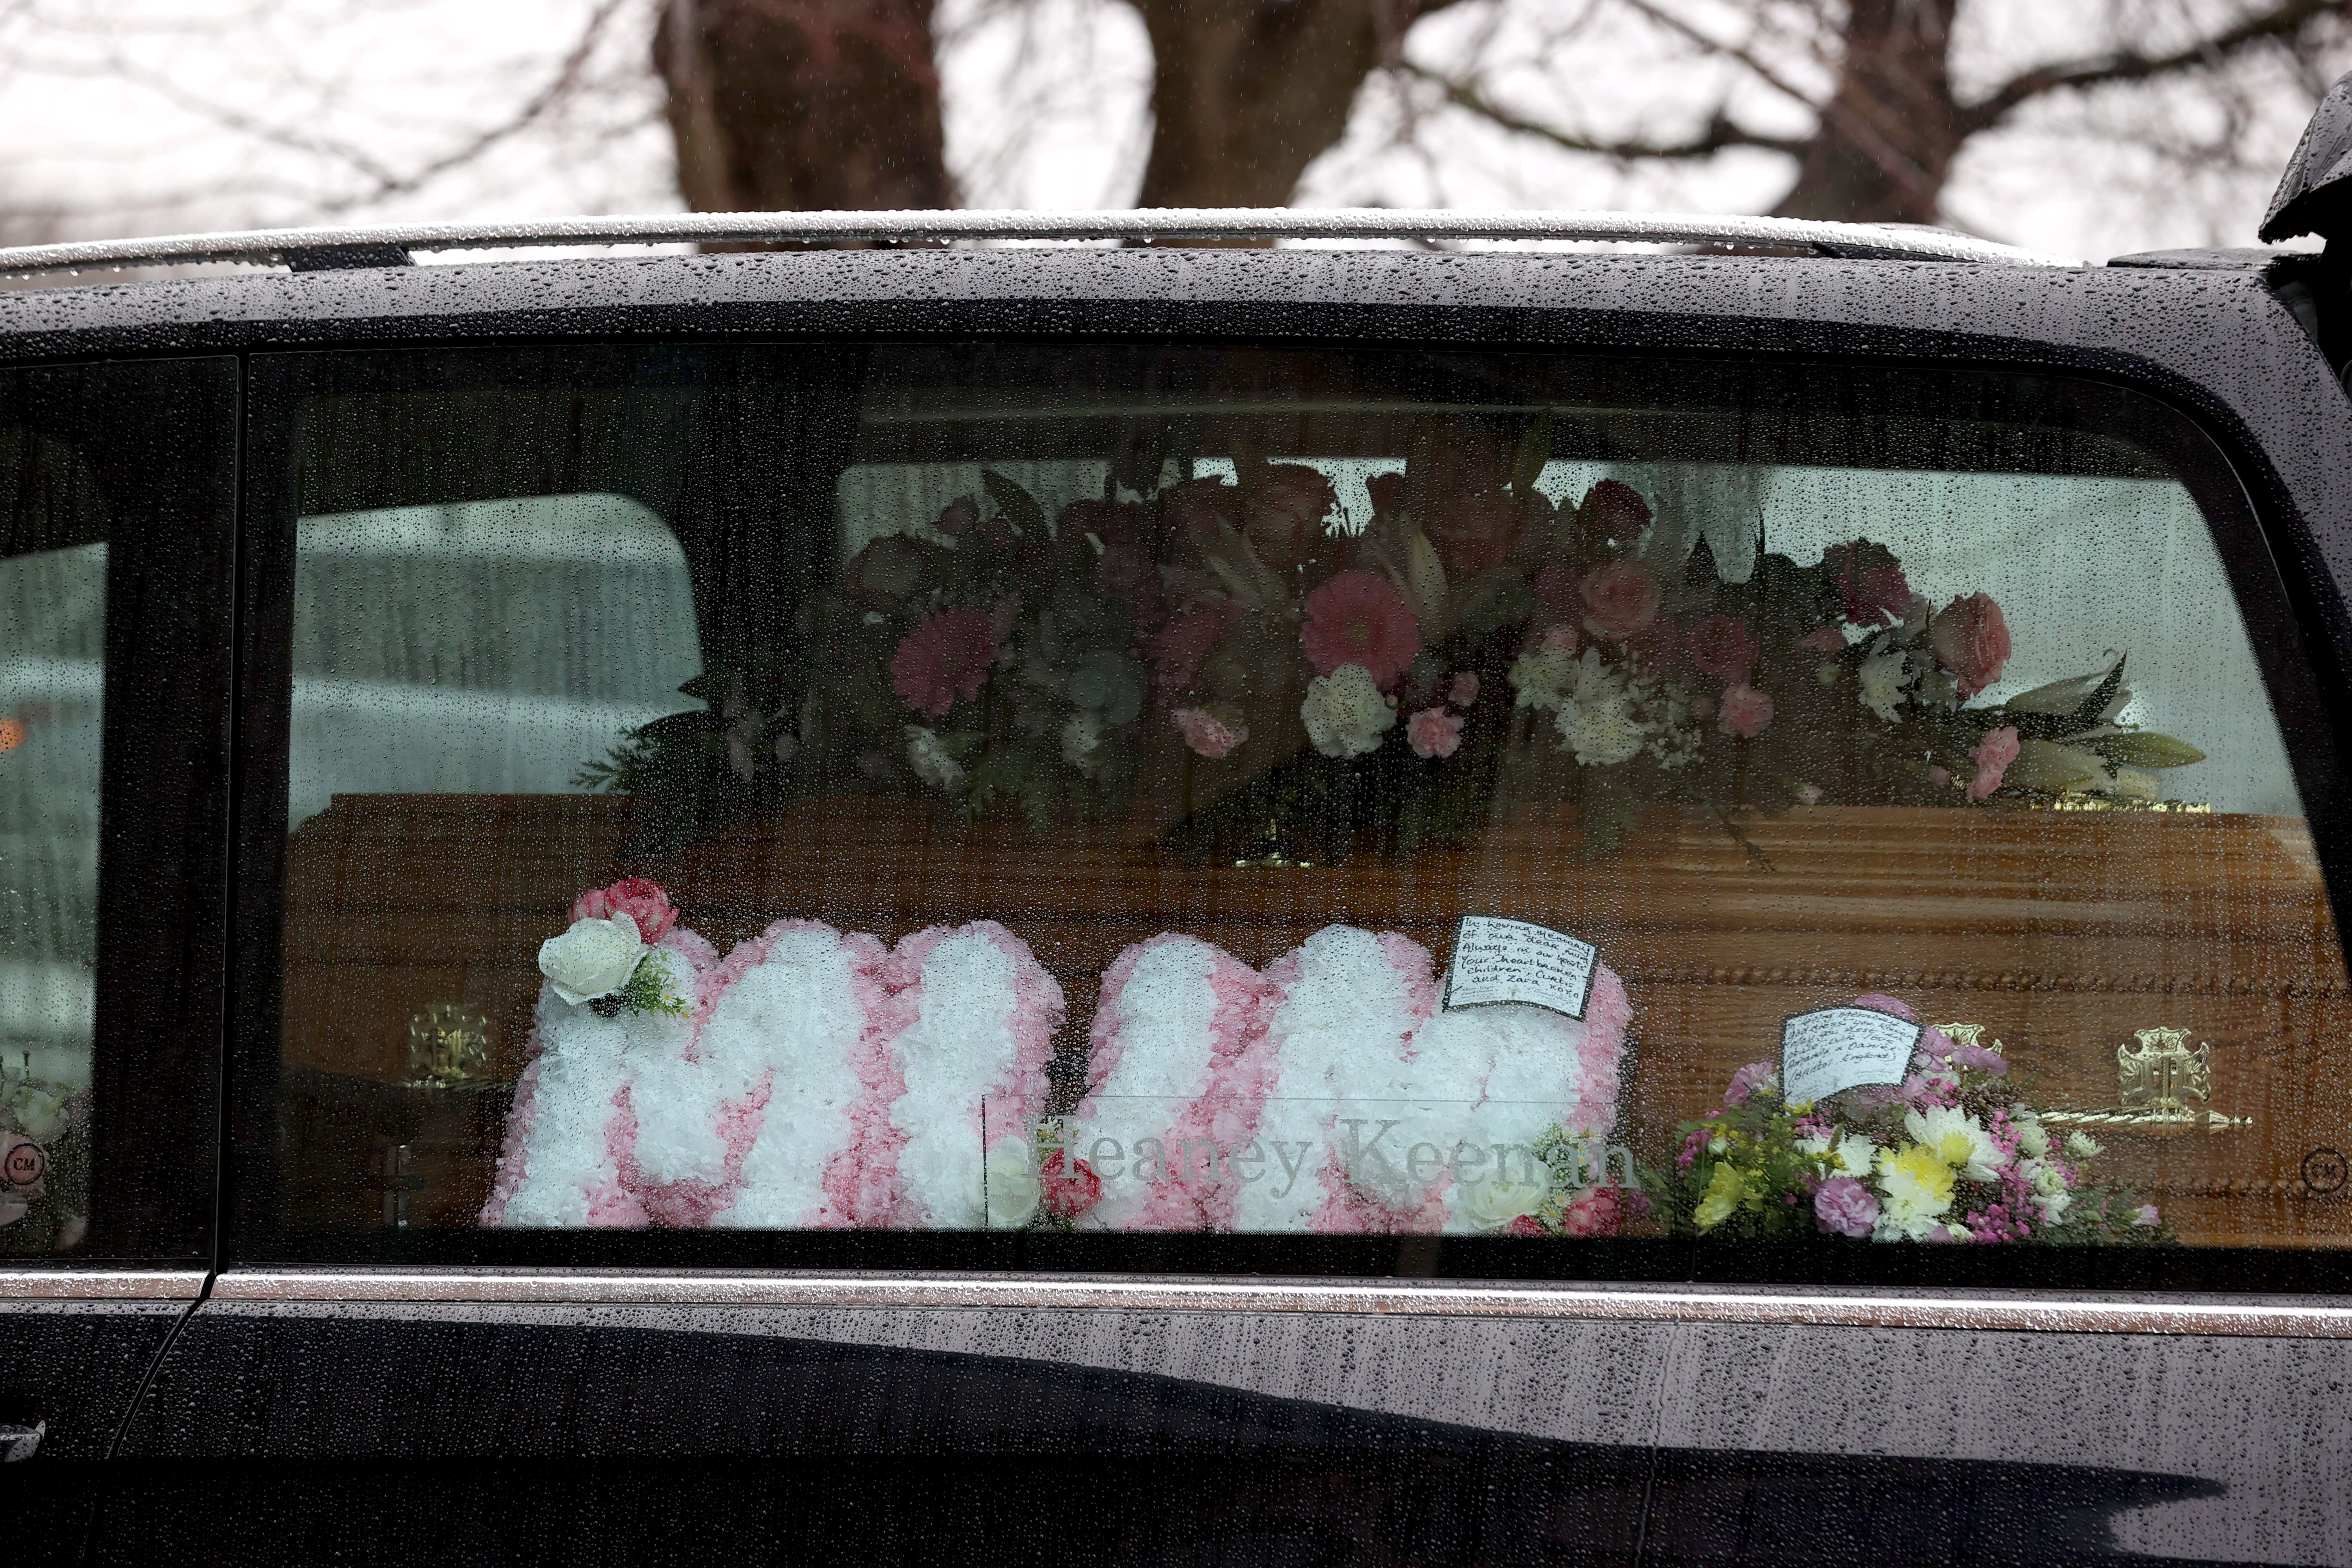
(1897, 164)
(383, 180)
(1722, 132)
(2282, 21)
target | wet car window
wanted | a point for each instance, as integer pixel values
(52, 659)
(1125, 790)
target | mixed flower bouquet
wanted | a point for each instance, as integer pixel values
(1336, 676)
(1561, 1194)
(1949, 1154)
(43, 1162)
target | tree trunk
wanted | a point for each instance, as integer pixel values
(804, 105)
(1246, 93)
(1885, 142)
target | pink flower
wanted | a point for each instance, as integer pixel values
(1746, 1082)
(1614, 510)
(1283, 512)
(1843, 1206)
(956, 517)
(643, 901)
(1824, 640)
(1434, 732)
(1725, 647)
(1067, 1187)
(886, 572)
(1525, 1224)
(1358, 617)
(1939, 776)
(1971, 641)
(2146, 1215)
(1602, 1211)
(945, 658)
(1872, 582)
(1992, 754)
(1746, 712)
(1620, 599)
(1880, 1002)
(1464, 690)
(1208, 735)
(1178, 647)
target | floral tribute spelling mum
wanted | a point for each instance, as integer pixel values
(1344, 680)
(1949, 1154)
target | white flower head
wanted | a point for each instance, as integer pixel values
(1495, 1202)
(1345, 713)
(595, 957)
(930, 760)
(1884, 674)
(1013, 1185)
(2083, 1146)
(1542, 678)
(1960, 1139)
(39, 1109)
(1854, 1154)
(2033, 1138)
(1917, 1185)
(1597, 719)
(1082, 736)
(1895, 1224)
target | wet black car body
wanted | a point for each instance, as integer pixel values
(196, 1377)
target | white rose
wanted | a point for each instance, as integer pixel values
(930, 760)
(595, 957)
(1883, 675)
(2033, 1139)
(1345, 713)
(1012, 1189)
(1494, 1203)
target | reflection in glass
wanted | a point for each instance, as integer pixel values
(921, 770)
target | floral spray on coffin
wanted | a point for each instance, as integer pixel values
(1949, 1154)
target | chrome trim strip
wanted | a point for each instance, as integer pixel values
(20, 1284)
(2276, 1316)
(1859, 241)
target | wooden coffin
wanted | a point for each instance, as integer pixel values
(2062, 932)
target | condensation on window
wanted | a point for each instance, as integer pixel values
(1261, 793)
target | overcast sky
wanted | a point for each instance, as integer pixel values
(125, 116)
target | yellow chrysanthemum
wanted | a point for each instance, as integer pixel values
(1721, 1200)
(1916, 1179)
